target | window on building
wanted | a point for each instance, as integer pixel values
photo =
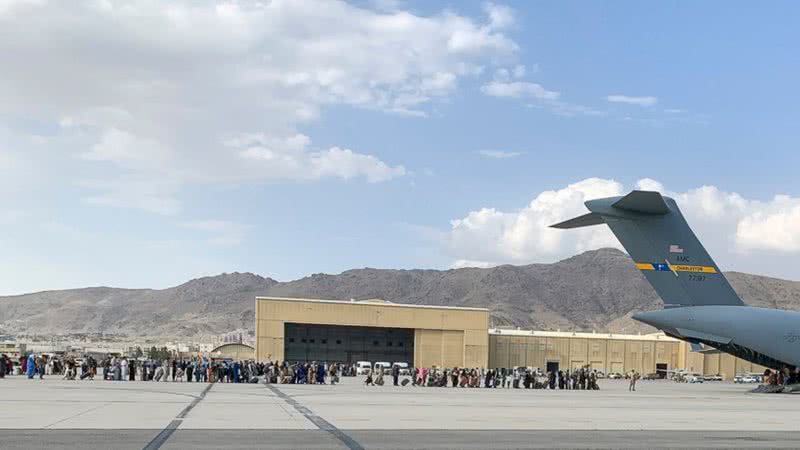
(375, 343)
(338, 342)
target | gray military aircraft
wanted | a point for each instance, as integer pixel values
(700, 306)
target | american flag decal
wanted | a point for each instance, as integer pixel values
(675, 249)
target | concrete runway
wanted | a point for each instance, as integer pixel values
(95, 414)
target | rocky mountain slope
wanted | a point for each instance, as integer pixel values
(597, 290)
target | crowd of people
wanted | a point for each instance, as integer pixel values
(517, 378)
(205, 370)
(782, 377)
(195, 369)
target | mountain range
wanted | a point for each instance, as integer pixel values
(597, 290)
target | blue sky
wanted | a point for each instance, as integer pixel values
(142, 145)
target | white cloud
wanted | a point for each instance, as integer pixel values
(649, 184)
(125, 149)
(157, 89)
(774, 226)
(500, 16)
(507, 83)
(640, 101)
(289, 158)
(499, 154)
(740, 233)
(9, 6)
(518, 89)
(489, 235)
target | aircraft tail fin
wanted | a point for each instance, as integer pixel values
(663, 246)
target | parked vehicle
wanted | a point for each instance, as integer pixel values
(387, 368)
(712, 378)
(745, 379)
(615, 376)
(363, 367)
(651, 376)
(404, 370)
(694, 379)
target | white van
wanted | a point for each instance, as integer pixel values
(387, 368)
(403, 368)
(363, 367)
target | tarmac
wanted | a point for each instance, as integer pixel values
(145, 415)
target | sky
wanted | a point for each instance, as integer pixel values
(146, 143)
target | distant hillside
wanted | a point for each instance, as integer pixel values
(597, 290)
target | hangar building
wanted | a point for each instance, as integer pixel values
(295, 329)
(572, 350)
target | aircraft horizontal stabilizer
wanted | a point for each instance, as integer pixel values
(585, 220)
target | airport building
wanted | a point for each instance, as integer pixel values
(295, 329)
(608, 353)
(234, 351)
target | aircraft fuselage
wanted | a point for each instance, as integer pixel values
(769, 337)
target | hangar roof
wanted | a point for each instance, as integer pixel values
(372, 301)
(661, 337)
(233, 346)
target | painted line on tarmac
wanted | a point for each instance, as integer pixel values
(165, 434)
(321, 423)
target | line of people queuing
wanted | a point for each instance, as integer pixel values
(202, 369)
(195, 369)
(518, 378)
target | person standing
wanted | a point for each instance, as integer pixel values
(395, 374)
(634, 376)
(30, 367)
(41, 362)
(321, 373)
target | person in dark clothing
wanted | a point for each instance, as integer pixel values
(174, 367)
(3, 365)
(395, 374)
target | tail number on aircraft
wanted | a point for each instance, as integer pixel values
(693, 277)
